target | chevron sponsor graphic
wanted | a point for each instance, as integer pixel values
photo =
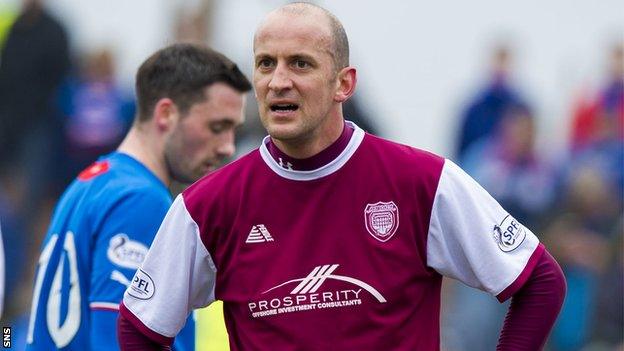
(259, 234)
(307, 295)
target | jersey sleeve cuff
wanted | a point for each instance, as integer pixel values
(154, 336)
(524, 275)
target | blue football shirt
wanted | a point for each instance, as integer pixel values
(100, 232)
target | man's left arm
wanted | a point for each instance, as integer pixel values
(534, 307)
(474, 240)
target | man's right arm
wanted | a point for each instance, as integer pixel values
(125, 232)
(177, 276)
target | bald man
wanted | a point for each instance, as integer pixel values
(328, 238)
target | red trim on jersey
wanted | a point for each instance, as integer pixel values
(136, 322)
(94, 170)
(104, 306)
(104, 309)
(524, 276)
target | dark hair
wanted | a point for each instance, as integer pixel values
(181, 72)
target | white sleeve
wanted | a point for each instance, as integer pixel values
(177, 276)
(472, 238)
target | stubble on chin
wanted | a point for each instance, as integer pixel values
(283, 133)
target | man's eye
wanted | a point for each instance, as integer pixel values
(265, 63)
(302, 64)
(217, 128)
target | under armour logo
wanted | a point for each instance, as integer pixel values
(286, 165)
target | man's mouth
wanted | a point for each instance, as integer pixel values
(284, 107)
(208, 168)
(211, 164)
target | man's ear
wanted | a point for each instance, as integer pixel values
(165, 114)
(347, 79)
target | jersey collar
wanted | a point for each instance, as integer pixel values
(325, 163)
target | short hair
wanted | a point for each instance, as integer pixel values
(181, 72)
(338, 33)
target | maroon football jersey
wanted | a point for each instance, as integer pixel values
(346, 256)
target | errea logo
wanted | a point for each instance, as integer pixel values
(259, 234)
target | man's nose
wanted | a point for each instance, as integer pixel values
(227, 146)
(280, 79)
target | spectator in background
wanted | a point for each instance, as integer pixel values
(601, 119)
(7, 16)
(97, 113)
(507, 164)
(598, 126)
(579, 237)
(609, 327)
(586, 232)
(34, 60)
(484, 112)
(193, 24)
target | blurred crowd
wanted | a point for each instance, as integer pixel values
(573, 202)
(60, 110)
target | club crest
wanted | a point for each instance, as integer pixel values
(382, 220)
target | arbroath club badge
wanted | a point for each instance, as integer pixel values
(382, 220)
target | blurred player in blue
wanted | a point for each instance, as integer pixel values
(190, 99)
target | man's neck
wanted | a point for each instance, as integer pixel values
(319, 141)
(143, 148)
(315, 161)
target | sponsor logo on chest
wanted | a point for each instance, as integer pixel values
(125, 252)
(308, 294)
(382, 220)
